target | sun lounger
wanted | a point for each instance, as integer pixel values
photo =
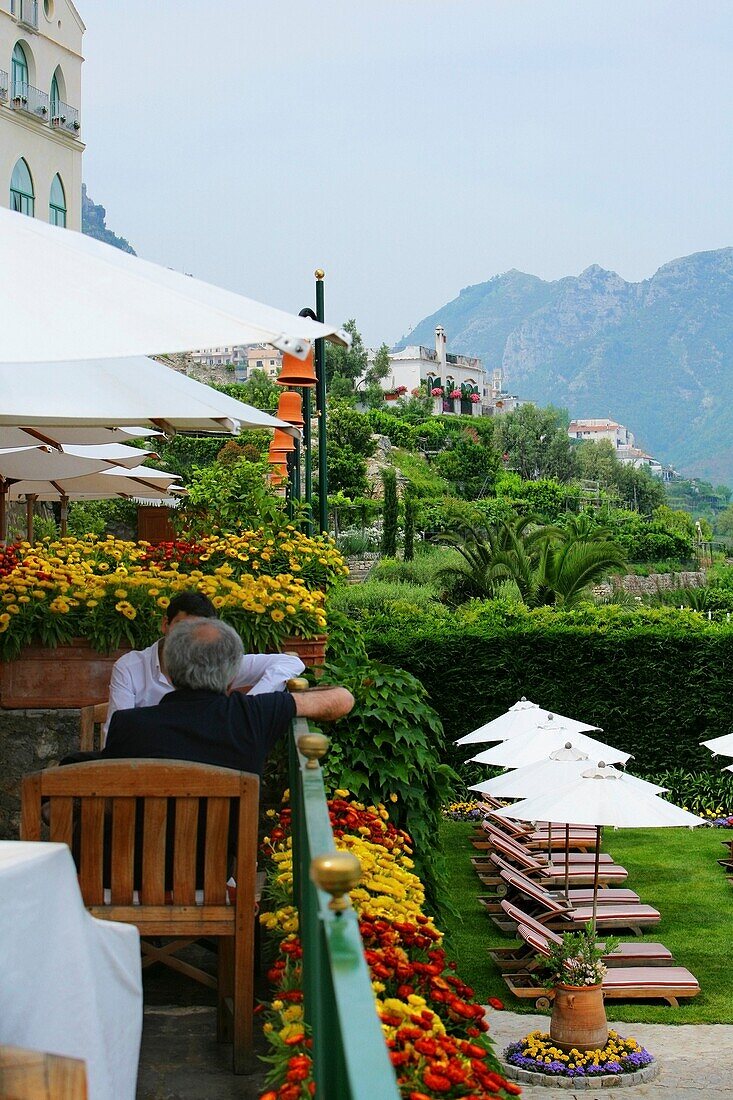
(534, 864)
(621, 983)
(523, 957)
(579, 894)
(581, 838)
(555, 914)
(490, 829)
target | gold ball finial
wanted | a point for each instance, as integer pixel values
(297, 683)
(319, 273)
(336, 873)
(313, 746)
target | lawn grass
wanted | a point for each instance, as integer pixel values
(674, 870)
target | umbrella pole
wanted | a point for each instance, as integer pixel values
(3, 512)
(30, 500)
(567, 861)
(64, 514)
(595, 875)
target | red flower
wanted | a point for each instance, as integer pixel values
(496, 1003)
(436, 1081)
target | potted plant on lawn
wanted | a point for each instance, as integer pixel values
(575, 971)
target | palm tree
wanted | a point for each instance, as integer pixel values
(548, 565)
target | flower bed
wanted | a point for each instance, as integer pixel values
(434, 1028)
(268, 585)
(536, 1053)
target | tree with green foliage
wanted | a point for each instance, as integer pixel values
(408, 544)
(346, 363)
(639, 490)
(259, 390)
(224, 497)
(389, 513)
(469, 465)
(380, 367)
(350, 443)
(536, 443)
(724, 522)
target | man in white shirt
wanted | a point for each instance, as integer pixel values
(139, 679)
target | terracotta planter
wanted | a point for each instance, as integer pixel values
(69, 676)
(579, 1018)
(312, 651)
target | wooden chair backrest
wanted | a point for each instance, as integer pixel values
(91, 719)
(140, 812)
(33, 1075)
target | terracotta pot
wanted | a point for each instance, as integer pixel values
(579, 1017)
(312, 651)
(69, 676)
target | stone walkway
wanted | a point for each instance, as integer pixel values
(696, 1060)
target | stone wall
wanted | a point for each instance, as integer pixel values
(29, 741)
(360, 566)
(649, 586)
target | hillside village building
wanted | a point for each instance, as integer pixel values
(40, 109)
(622, 440)
(245, 359)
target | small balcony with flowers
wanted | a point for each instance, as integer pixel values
(30, 101)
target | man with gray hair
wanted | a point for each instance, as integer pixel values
(201, 720)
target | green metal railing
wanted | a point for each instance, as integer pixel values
(350, 1058)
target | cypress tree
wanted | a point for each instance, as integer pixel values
(389, 513)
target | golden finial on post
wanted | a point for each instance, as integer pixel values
(313, 746)
(296, 683)
(319, 273)
(336, 873)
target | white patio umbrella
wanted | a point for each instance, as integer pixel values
(100, 302)
(560, 767)
(720, 746)
(601, 796)
(527, 748)
(44, 463)
(119, 393)
(59, 436)
(523, 716)
(142, 482)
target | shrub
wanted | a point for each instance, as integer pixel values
(389, 513)
(654, 679)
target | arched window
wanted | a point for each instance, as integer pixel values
(20, 71)
(55, 97)
(57, 203)
(21, 189)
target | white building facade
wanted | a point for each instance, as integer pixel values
(40, 109)
(621, 439)
(457, 382)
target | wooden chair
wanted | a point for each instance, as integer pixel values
(91, 720)
(136, 827)
(33, 1075)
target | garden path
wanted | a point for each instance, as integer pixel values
(696, 1060)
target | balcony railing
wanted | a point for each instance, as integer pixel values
(65, 117)
(30, 100)
(350, 1059)
(26, 11)
(4, 85)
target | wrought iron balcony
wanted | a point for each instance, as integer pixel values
(4, 85)
(26, 11)
(30, 100)
(65, 117)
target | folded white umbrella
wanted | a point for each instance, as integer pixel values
(527, 748)
(58, 436)
(720, 746)
(99, 302)
(523, 716)
(601, 796)
(120, 393)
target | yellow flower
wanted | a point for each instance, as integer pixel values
(277, 616)
(163, 601)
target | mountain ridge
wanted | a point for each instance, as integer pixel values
(656, 354)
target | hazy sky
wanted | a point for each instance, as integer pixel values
(409, 147)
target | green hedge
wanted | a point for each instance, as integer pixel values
(657, 681)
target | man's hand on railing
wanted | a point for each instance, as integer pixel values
(326, 703)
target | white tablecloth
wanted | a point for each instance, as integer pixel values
(69, 984)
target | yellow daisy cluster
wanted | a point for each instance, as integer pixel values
(539, 1045)
(409, 1011)
(104, 584)
(388, 887)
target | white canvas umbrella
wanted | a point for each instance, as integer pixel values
(120, 393)
(44, 463)
(523, 716)
(100, 302)
(720, 746)
(59, 436)
(601, 796)
(527, 748)
(560, 767)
